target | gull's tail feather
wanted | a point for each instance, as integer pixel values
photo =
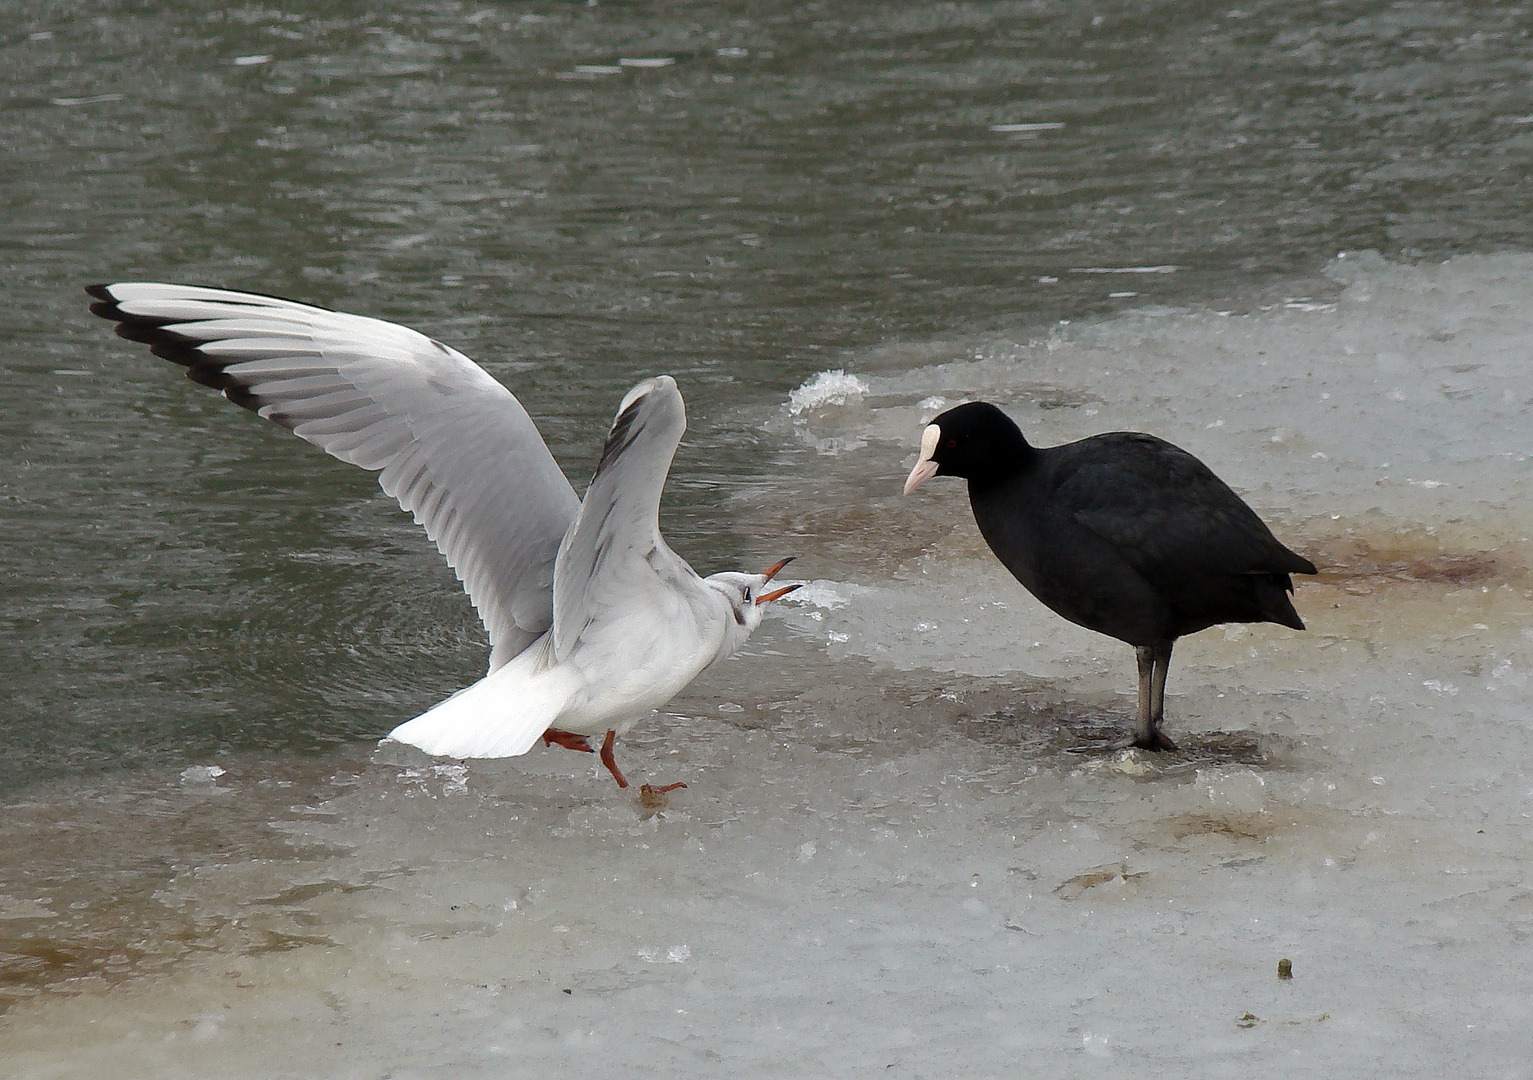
(501, 715)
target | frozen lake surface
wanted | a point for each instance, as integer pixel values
(887, 862)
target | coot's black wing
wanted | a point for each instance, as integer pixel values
(1165, 512)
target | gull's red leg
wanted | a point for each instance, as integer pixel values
(610, 761)
(570, 741)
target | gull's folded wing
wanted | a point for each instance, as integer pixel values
(619, 521)
(454, 446)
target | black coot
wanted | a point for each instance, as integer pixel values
(1122, 533)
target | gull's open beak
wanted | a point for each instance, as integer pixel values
(776, 594)
(925, 468)
(776, 568)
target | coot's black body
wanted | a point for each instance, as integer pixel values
(1122, 533)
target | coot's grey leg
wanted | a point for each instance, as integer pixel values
(1144, 722)
(1149, 734)
(1146, 730)
(1154, 660)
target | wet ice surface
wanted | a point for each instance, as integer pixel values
(888, 862)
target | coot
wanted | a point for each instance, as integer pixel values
(1122, 533)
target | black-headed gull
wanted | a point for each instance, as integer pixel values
(593, 620)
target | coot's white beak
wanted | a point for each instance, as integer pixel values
(925, 468)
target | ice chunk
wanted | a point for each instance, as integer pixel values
(827, 388)
(829, 595)
(201, 774)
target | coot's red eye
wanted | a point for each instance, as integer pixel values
(951, 444)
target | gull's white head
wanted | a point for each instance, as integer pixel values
(747, 596)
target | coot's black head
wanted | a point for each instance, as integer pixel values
(976, 441)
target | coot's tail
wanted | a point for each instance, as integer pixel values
(1272, 599)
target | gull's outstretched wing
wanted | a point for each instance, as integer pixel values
(454, 446)
(615, 549)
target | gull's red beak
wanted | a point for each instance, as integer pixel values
(777, 594)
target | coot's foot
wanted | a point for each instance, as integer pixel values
(1156, 739)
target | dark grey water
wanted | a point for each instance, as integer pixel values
(780, 185)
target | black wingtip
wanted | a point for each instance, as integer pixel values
(178, 349)
(106, 304)
(621, 434)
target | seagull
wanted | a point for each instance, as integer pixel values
(1122, 533)
(594, 622)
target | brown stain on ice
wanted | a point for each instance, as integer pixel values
(1375, 585)
(1074, 888)
(1359, 568)
(1453, 553)
(1256, 826)
(105, 858)
(1234, 837)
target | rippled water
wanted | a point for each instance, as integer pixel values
(744, 196)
